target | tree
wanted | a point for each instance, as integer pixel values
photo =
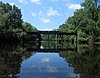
(11, 23)
(85, 21)
(10, 16)
(28, 27)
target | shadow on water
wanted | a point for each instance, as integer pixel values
(84, 61)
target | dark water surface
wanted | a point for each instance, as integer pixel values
(21, 61)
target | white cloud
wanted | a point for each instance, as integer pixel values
(52, 69)
(12, 4)
(23, 1)
(44, 16)
(36, 1)
(33, 14)
(52, 12)
(74, 6)
(45, 59)
(45, 20)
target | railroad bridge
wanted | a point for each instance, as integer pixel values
(56, 37)
(56, 34)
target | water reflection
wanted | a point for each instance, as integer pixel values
(18, 61)
(11, 57)
(45, 65)
(10, 60)
(86, 61)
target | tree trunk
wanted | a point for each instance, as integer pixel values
(91, 40)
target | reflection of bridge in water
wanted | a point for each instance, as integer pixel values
(52, 50)
(55, 37)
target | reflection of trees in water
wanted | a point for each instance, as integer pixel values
(11, 57)
(55, 45)
(86, 61)
(31, 45)
(10, 60)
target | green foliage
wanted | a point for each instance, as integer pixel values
(86, 21)
(87, 3)
(28, 27)
(11, 23)
(63, 28)
(19, 33)
(10, 17)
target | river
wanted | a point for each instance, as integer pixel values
(21, 61)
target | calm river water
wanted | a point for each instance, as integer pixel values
(22, 61)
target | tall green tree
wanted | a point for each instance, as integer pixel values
(11, 17)
(85, 20)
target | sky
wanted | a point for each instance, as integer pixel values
(46, 14)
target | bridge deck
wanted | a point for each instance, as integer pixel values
(52, 32)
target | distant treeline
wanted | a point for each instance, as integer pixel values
(85, 21)
(11, 24)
